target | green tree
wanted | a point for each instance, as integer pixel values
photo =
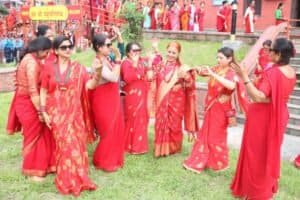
(3, 11)
(134, 18)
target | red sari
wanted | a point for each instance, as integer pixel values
(109, 121)
(210, 149)
(136, 115)
(24, 114)
(68, 109)
(297, 161)
(200, 19)
(249, 20)
(263, 61)
(166, 20)
(221, 22)
(258, 168)
(176, 101)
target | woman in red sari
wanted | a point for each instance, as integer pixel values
(25, 111)
(176, 101)
(199, 16)
(210, 149)
(166, 18)
(263, 58)
(221, 18)
(134, 75)
(107, 109)
(65, 108)
(258, 168)
(249, 18)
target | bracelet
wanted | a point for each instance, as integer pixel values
(42, 109)
(118, 62)
(246, 82)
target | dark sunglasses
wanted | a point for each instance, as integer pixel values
(108, 45)
(65, 47)
(136, 50)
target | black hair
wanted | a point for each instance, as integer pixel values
(279, 5)
(224, 2)
(42, 30)
(98, 41)
(38, 44)
(129, 46)
(227, 52)
(267, 43)
(285, 49)
(60, 39)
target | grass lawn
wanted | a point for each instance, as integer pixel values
(143, 177)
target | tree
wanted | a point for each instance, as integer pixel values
(3, 11)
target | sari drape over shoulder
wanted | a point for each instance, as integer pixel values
(258, 168)
(172, 98)
(210, 149)
(24, 115)
(71, 123)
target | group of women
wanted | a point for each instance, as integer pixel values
(59, 105)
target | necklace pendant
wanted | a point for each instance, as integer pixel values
(63, 88)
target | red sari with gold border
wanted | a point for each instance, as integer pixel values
(23, 114)
(136, 115)
(258, 168)
(109, 121)
(210, 149)
(68, 109)
(176, 101)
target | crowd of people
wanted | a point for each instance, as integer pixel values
(60, 108)
(190, 16)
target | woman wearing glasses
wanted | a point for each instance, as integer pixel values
(65, 108)
(134, 75)
(106, 107)
(258, 168)
(175, 102)
(25, 111)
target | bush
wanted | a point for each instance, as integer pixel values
(3, 11)
(134, 18)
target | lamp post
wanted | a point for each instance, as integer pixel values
(234, 6)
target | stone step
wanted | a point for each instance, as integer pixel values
(294, 109)
(291, 129)
(295, 61)
(296, 67)
(296, 92)
(294, 100)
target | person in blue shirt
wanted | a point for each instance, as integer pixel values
(8, 49)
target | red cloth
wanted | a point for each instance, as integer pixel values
(297, 161)
(109, 121)
(263, 60)
(258, 168)
(200, 16)
(153, 20)
(171, 106)
(136, 115)
(221, 21)
(71, 127)
(23, 114)
(210, 149)
(166, 20)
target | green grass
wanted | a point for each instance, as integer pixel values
(143, 177)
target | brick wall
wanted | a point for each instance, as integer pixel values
(7, 80)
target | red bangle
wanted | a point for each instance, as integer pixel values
(118, 62)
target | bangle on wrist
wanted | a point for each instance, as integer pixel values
(246, 82)
(42, 109)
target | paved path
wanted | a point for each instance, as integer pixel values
(290, 147)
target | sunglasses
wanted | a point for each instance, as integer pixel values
(136, 50)
(108, 45)
(65, 47)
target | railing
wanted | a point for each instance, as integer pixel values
(290, 27)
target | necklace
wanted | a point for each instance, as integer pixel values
(61, 79)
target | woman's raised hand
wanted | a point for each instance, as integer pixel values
(240, 71)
